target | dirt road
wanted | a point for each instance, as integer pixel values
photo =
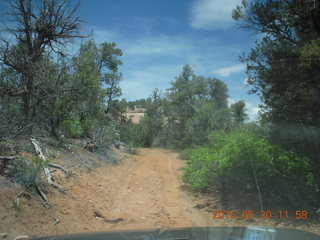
(142, 192)
(150, 195)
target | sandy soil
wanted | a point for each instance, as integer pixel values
(142, 192)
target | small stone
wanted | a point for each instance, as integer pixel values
(129, 190)
(56, 221)
(3, 235)
(22, 238)
(139, 203)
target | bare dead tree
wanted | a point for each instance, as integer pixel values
(40, 27)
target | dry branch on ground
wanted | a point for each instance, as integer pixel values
(46, 171)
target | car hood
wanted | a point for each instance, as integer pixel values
(198, 233)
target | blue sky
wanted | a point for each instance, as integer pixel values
(158, 37)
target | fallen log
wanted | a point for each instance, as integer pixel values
(59, 167)
(61, 189)
(42, 195)
(41, 156)
(46, 170)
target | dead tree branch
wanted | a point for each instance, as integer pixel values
(59, 167)
(42, 195)
(41, 156)
(45, 169)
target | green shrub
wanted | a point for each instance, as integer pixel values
(25, 173)
(73, 127)
(231, 158)
(101, 133)
(132, 148)
(184, 155)
(198, 172)
(131, 133)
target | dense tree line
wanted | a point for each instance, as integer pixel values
(186, 113)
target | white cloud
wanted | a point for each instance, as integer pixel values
(212, 14)
(144, 45)
(227, 71)
(158, 45)
(231, 101)
(252, 111)
(140, 83)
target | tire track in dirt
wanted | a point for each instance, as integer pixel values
(150, 196)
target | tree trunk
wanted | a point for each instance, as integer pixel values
(26, 107)
(26, 99)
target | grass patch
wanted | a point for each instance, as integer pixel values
(132, 148)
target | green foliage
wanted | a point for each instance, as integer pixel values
(39, 162)
(192, 108)
(142, 103)
(26, 173)
(230, 158)
(238, 111)
(198, 172)
(185, 153)
(284, 68)
(132, 148)
(218, 92)
(131, 133)
(196, 106)
(208, 118)
(73, 127)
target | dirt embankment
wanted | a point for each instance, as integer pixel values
(142, 192)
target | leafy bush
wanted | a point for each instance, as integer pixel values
(231, 158)
(73, 127)
(24, 172)
(184, 155)
(131, 133)
(103, 135)
(132, 148)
